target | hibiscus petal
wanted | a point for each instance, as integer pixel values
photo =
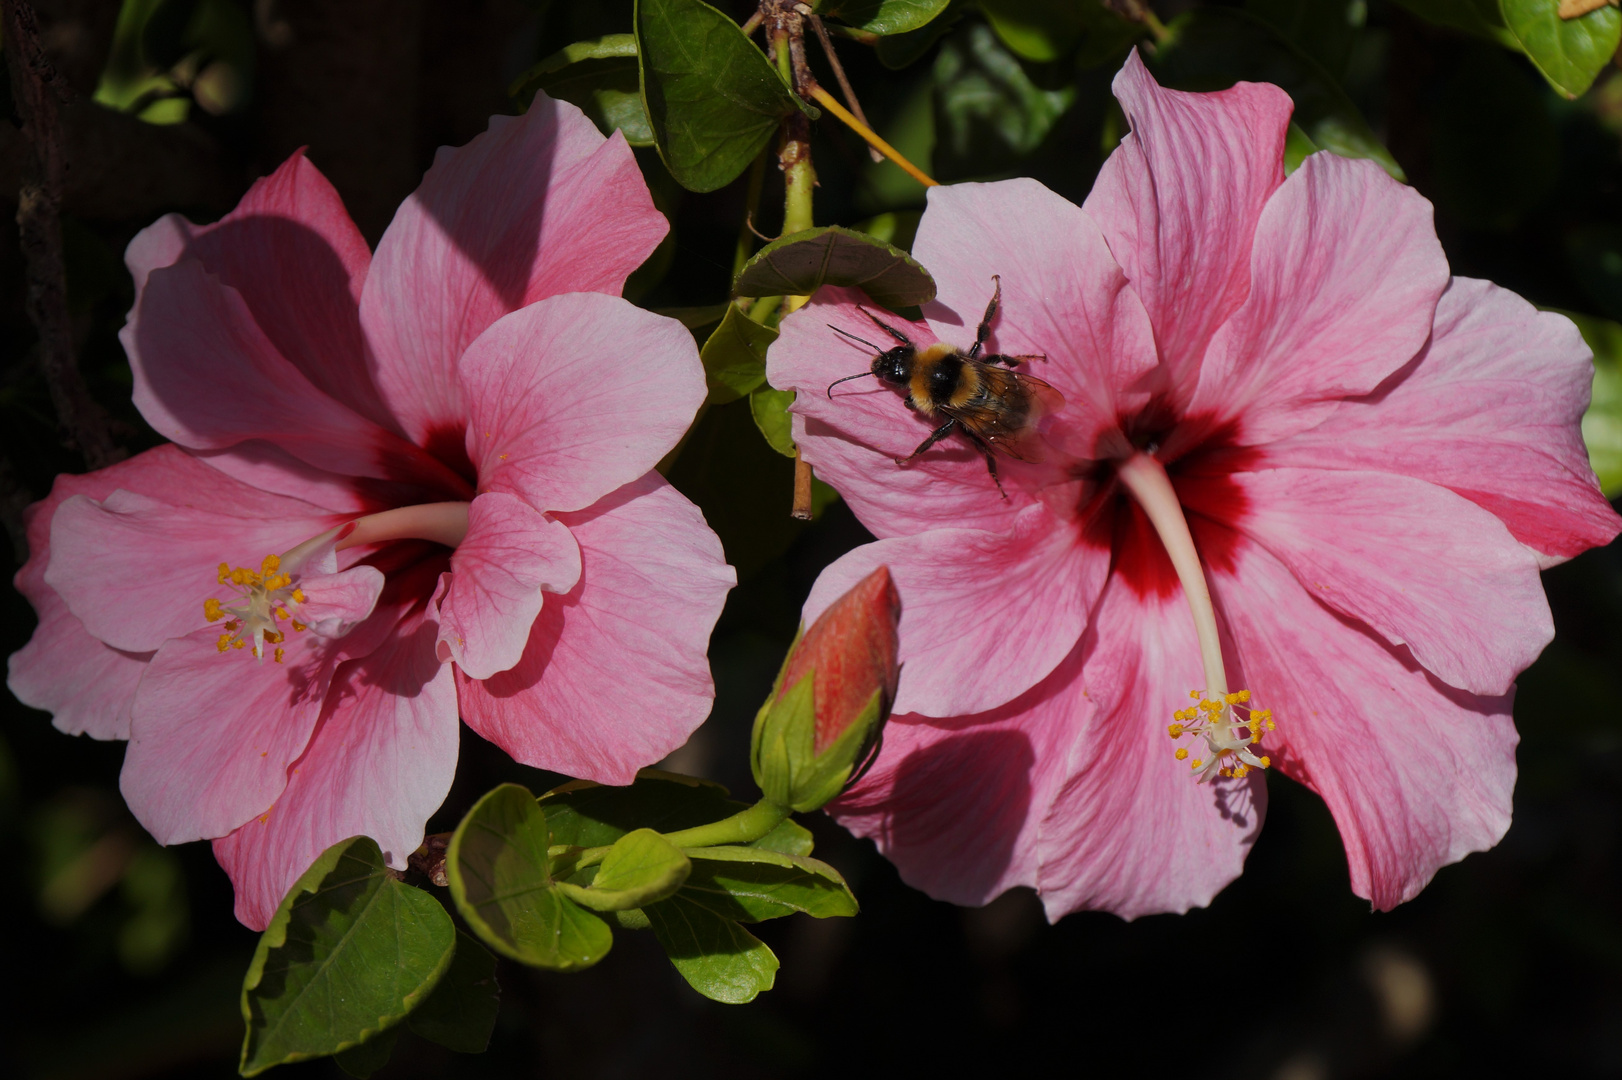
(1414, 561)
(1131, 831)
(984, 616)
(540, 204)
(555, 420)
(1500, 382)
(1063, 296)
(615, 674)
(84, 684)
(852, 438)
(380, 763)
(207, 377)
(1344, 278)
(1178, 202)
(136, 570)
(292, 252)
(513, 553)
(1416, 774)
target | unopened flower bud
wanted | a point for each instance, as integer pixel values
(820, 727)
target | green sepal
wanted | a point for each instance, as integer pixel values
(712, 98)
(717, 957)
(782, 747)
(461, 1012)
(769, 406)
(748, 884)
(735, 356)
(500, 877)
(641, 868)
(348, 954)
(789, 838)
(599, 76)
(798, 264)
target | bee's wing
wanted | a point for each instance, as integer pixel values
(1007, 420)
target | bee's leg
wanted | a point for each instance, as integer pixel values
(983, 331)
(1015, 361)
(991, 467)
(934, 437)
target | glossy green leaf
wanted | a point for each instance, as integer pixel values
(1480, 18)
(461, 1012)
(901, 50)
(1212, 48)
(749, 884)
(717, 957)
(798, 264)
(1040, 30)
(1569, 52)
(712, 98)
(347, 955)
(601, 77)
(988, 112)
(641, 868)
(789, 837)
(1602, 423)
(500, 879)
(735, 356)
(882, 16)
(370, 1056)
(769, 407)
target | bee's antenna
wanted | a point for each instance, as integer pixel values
(847, 378)
(853, 337)
(886, 327)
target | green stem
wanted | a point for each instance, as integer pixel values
(746, 237)
(740, 828)
(1156, 27)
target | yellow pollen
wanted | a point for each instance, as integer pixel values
(279, 655)
(1231, 731)
(265, 597)
(212, 610)
(297, 625)
(1197, 763)
(1182, 753)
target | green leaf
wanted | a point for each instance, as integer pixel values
(347, 955)
(1298, 146)
(642, 867)
(461, 1012)
(712, 98)
(882, 16)
(717, 957)
(897, 228)
(988, 112)
(364, 1060)
(1480, 18)
(769, 407)
(796, 265)
(735, 356)
(1212, 48)
(1042, 30)
(1569, 52)
(601, 77)
(897, 51)
(749, 884)
(500, 879)
(1602, 423)
(790, 838)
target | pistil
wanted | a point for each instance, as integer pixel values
(1215, 715)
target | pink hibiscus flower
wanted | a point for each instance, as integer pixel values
(1296, 456)
(404, 485)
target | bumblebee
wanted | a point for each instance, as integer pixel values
(994, 407)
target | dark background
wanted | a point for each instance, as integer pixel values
(122, 959)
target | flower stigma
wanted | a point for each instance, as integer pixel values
(1227, 723)
(264, 597)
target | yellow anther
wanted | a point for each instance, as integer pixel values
(224, 642)
(298, 596)
(279, 655)
(297, 625)
(271, 564)
(1197, 763)
(1267, 762)
(1182, 753)
(225, 572)
(239, 643)
(1175, 730)
(212, 610)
